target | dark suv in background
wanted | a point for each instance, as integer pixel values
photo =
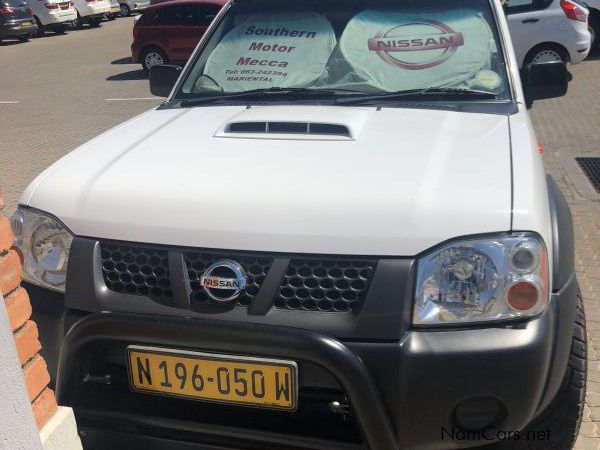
(16, 20)
(168, 32)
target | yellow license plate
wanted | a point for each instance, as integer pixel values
(25, 24)
(239, 380)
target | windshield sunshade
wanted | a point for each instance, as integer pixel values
(353, 47)
(396, 51)
(272, 50)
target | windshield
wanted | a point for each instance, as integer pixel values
(368, 47)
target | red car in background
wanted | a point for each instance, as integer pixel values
(168, 32)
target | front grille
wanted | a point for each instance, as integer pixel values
(256, 268)
(137, 271)
(325, 284)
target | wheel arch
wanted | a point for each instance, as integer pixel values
(563, 237)
(594, 11)
(565, 291)
(546, 44)
(152, 46)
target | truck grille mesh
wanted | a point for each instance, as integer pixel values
(137, 271)
(325, 285)
(256, 268)
(309, 283)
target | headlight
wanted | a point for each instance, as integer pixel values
(482, 280)
(44, 244)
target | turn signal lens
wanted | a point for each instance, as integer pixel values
(482, 280)
(523, 296)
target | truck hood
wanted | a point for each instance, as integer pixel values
(356, 181)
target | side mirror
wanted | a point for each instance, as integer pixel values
(162, 79)
(545, 80)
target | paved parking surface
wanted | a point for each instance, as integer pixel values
(68, 88)
(58, 92)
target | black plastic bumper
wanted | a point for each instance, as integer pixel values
(16, 30)
(403, 394)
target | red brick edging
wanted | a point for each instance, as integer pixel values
(25, 331)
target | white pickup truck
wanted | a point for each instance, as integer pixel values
(335, 233)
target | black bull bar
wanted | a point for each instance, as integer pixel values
(242, 338)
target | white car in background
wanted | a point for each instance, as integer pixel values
(90, 12)
(129, 6)
(594, 20)
(548, 30)
(53, 15)
(115, 10)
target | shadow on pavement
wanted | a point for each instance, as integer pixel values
(127, 76)
(51, 34)
(127, 60)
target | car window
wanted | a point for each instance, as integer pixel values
(183, 15)
(359, 45)
(206, 14)
(520, 6)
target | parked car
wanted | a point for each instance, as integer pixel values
(549, 30)
(53, 15)
(336, 232)
(169, 32)
(16, 20)
(90, 12)
(129, 6)
(594, 20)
(115, 10)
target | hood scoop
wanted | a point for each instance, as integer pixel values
(289, 128)
(324, 123)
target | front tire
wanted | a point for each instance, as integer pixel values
(125, 10)
(153, 56)
(24, 38)
(562, 418)
(95, 22)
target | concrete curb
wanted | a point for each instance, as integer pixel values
(60, 432)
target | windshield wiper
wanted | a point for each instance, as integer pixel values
(416, 93)
(257, 93)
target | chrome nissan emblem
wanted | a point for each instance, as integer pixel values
(224, 281)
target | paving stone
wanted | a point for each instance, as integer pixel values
(584, 443)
